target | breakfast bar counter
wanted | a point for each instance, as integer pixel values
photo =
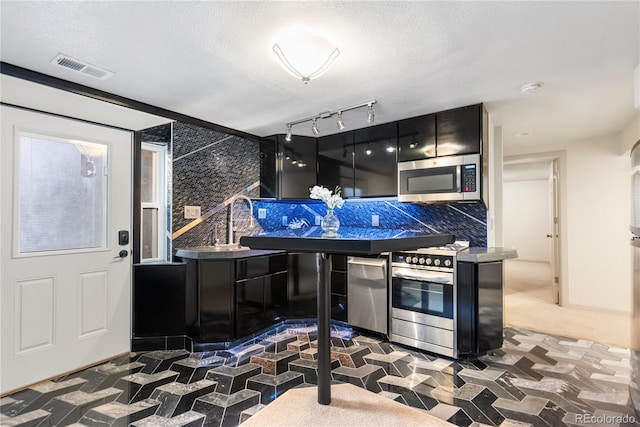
(349, 241)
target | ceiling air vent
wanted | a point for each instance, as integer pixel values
(69, 63)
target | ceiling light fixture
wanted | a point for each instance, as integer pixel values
(305, 53)
(328, 114)
(531, 87)
(390, 149)
(368, 151)
(314, 127)
(370, 114)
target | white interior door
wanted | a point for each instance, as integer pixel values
(65, 193)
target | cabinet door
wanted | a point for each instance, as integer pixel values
(275, 298)
(458, 131)
(375, 161)
(249, 306)
(339, 307)
(335, 162)
(417, 138)
(215, 299)
(298, 167)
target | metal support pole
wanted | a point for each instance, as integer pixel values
(323, 264)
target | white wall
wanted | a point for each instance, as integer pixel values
(594, 221)
(526, 219)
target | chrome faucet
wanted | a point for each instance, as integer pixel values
(230, 224)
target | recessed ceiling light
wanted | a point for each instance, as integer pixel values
(531, 87)
(522, 134)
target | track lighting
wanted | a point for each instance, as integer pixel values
(325, 115)
(370, 114)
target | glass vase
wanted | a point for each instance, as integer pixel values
(330, 224)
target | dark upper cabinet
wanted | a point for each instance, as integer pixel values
(417, 138)
(298, 167)
(459, 131)
(375, 163)
(335, 162)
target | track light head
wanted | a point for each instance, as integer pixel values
(314, 127)
(340, 122)
(288, 136)
(370, 114)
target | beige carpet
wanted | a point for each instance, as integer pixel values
(528, 304)
(350, 406)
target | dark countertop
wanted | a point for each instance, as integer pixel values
(211, 252)
(478, 255)
(367, 241)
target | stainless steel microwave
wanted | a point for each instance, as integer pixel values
(440, 178)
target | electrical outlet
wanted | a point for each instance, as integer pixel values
(284, 220)
(375, 220)
(318, 220)
(191, 212)
(262, 213)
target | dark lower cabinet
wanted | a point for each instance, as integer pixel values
(260, 302)
(230, 299)
(159, 306)
(480, 307)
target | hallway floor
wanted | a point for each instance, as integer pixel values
(534, 379)
(529, 304)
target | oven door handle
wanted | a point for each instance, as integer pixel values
(423, 276)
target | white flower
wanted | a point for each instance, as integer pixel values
(332, 199)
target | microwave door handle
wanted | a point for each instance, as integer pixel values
(458, 178)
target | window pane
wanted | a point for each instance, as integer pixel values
(149, 233)
(62, 194)
(149, 172)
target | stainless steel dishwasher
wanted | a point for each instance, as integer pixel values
(367, 292)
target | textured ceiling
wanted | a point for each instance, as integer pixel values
(213, 60)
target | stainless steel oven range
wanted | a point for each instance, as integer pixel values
(423, 309)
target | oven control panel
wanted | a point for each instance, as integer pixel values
(422, 260)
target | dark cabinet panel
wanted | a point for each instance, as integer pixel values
(458, 131)
(298, 167)
(249, 306)
(339, 282)
(302, 287)
(339, 307)
(335, 162)
(339, 262)
(417, 138)
(480, 307)
(159, 299)
(275, 298)
(260, 265)
(215, 300)
(375, 161)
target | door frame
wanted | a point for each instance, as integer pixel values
(558, 250)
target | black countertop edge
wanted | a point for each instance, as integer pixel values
(345, 246)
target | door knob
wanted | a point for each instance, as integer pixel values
(122, 254)
(549, 235)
